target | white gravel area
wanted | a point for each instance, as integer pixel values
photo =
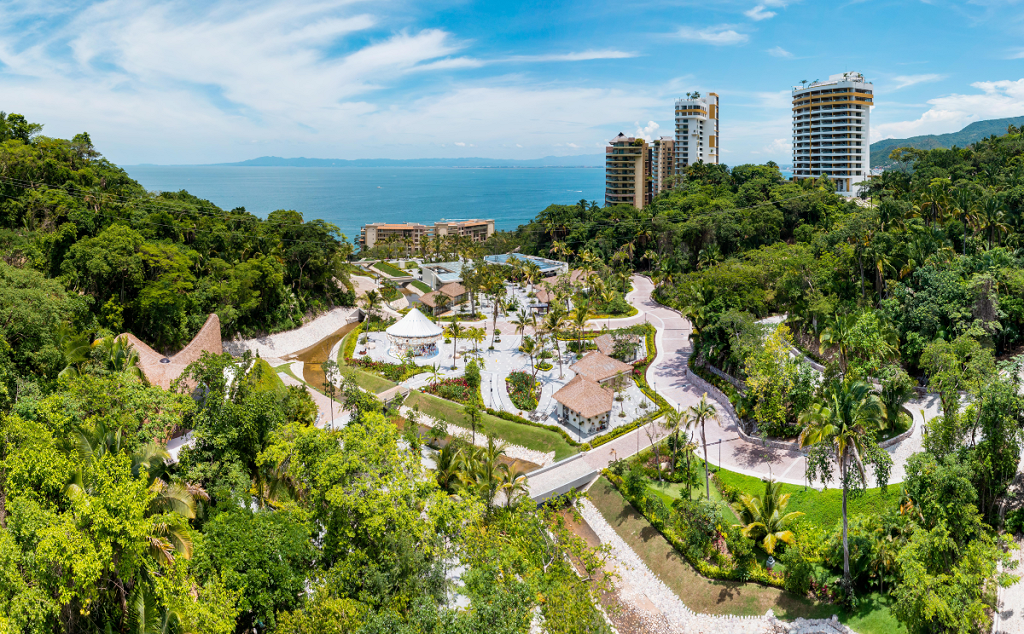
(649, 596)
(512, 451)
(289, 342)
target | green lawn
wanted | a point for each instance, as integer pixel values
(709, 596)
(388, 269)
(367, 381)
(821, 508)
(669, 491)
(287, 369)
(530, 437)
(420, 286)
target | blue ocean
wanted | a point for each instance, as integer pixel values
(350, 197)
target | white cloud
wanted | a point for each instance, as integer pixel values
(572, 145)
(1017, 55)
(778, 51)
(460, 144)
(582, 56)
(902, 81)
(720, 35)
(779, 148)
(996, 100)
(759, 13)
(648, 131)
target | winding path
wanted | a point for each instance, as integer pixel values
(668, 375)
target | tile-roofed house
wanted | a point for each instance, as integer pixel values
(585, 404)
(599, 367)
(455, 291)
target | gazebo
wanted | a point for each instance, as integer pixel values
(415, 333)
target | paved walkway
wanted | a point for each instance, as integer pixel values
(668, 375)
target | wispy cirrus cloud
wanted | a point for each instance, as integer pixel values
(902, 81)
(720, 35)
(582, 56)
(778, 51)
(762, 11)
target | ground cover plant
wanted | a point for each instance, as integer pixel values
(389, 269)
(522, 389)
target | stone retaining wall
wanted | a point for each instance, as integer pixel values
(739, 385)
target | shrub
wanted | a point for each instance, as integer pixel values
(522, 390)
(544, 366)
(455, 389)
(472, 374)
(396, 372)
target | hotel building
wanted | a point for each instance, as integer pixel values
(831, 121)
(663, 161)
(627, 170)
(697, 137)
(377, 232)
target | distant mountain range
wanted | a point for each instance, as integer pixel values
(971, 134)
(582, 160)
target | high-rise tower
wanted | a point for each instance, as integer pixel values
(697, 135)
(831, 122)
(627, 171)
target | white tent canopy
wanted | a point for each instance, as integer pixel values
(414, 334)
(415, 325)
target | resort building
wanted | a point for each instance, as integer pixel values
(663, 163)
(600, 368)
(476, 230)
(547, 266)
(627, 171)
(697, 133)
(437, 275)
(454, 292)
(584, 404)
(831, 120)
(415, 235)
(606, 345)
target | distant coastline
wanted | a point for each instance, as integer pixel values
(582, 161)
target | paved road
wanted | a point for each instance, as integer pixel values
(668, 376)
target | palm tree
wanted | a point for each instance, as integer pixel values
(675, 420)
(992, 216)
(521, 321)
(555, 324)
(579, 320)
(701, 412)
(966, 205)
(118, 355)
(529, 348)
(763, 517)
(448, 467)
(839, 422)
(76, 348)
(455, 331)
(515, 486)
(500, 305)
(839, 333)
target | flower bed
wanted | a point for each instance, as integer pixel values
(454, 389)
(522, 389)
(544, 366)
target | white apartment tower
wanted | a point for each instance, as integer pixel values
(697, 137)
(831, 121)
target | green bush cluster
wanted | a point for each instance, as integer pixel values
(741, 566)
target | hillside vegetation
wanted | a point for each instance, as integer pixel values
(155, 264)
(971, 134)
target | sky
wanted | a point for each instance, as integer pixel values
(170, 82)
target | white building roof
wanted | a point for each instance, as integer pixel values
(415, 325)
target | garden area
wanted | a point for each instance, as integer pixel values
(523, 390)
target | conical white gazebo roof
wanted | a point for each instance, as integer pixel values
(414, 325)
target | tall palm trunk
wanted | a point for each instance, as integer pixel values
(707, 476)
(846, 537)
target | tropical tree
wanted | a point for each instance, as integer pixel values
(530, 349)
(701, 412)
(839, 333)
(675, 421)
(554, 323)
(839, 429)
(514, 485)
(763, 517)
(455, 331)
(579, 320)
